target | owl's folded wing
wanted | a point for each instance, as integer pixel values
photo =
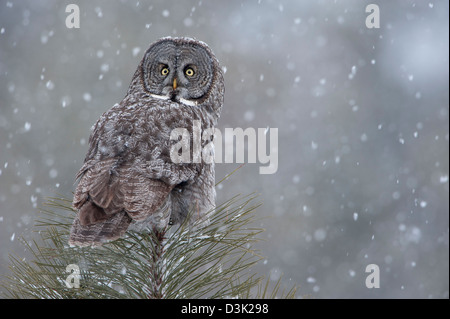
(100, 232)
(106, 188)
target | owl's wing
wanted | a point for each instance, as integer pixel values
(106, 189)
(98, 233)
(108, 198)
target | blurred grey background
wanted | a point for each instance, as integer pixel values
(362, 114)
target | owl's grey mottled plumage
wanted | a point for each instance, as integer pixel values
(128, 180)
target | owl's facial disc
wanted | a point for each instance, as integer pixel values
(177, 70)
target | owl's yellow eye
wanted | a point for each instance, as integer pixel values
(189, 72)
(165, 71)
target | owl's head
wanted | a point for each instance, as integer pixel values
(183, 70)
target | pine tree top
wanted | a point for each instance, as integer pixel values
(213, 261)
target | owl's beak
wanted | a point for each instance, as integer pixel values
(174, 85)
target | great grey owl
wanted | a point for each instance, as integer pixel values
(128, 180)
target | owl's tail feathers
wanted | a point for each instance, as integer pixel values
(100, 232)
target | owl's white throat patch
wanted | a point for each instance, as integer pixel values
(161, 97)
(188, 102)
(181, 100)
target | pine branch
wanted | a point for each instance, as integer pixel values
(182, 261)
